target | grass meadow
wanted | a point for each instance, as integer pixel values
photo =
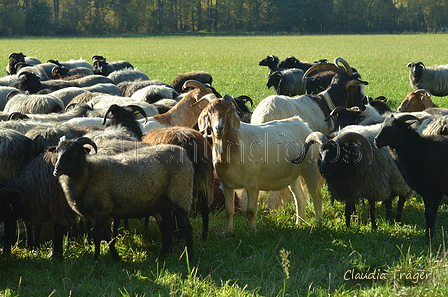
(280, 258)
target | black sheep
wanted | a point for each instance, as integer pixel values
(421, 160)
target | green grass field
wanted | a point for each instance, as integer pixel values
(280, 258)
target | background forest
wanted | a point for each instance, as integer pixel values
(80, 17)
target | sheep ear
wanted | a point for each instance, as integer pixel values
(235, 122)
(203, 122)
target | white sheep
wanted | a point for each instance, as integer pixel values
(256, 157)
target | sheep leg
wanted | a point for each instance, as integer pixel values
(388, 204)
(57, 241)
(431, 205)
(230, 207)
(400, 206)
(101, 231)
(314, 184)
(372, 214)
(10, 232)
(252, 206)
(166, 224)
(299, 200)
(205, 215)
(349, 209)
(186, 229)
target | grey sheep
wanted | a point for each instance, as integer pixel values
(100, 66)
(434, 79)
(34, 103)
(67, 94)
(91, 80)
(355, 169)
(287, 82)
(106, 88)
(126, 74)
(15, 153)
(8, 80)
(154, 93)
(157, 180)
(36, 196)
(130, 87)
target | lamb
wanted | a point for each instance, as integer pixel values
(253, 157)
(417, 100)
(34, 103)
(287, 82)
(126, 74)
(201, 76)
(200, 153)
(353, 169)
(36, 196)
(420, 159)
(104, 188)
(100, 66)
(434, 79)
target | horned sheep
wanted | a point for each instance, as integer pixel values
(434, 79)
(354, 169)
(104, 188)
(420, 159)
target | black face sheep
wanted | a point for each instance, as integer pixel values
(125, 116)
(287, 82)
(271, 62)
(434, 79)
(101, 67)
(15, 58)
(353, 169)
(421, 159)
(345, 117)
(156, 180)
(200, 153)
(36, 196)
(31, 83)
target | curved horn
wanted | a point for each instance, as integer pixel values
(245, 99)
(191, 83)
(334, 111)
(232, 101)
(110, 109)
(347, 67)
(327, 66)
(135, 108)
(315, 137)
(344, 138)
(17, 116)
(407, 117)
(86, 140)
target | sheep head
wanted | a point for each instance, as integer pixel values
(418, 100)
(59, 72)
(120, 114)
(415, 72)
(393, 129)
(346, 149)
(70, 155)
(30, 82)
(345, 116)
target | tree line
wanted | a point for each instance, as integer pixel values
(80, 17)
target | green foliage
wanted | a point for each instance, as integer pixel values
(280, 258)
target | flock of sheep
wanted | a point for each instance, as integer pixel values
(99, 143)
